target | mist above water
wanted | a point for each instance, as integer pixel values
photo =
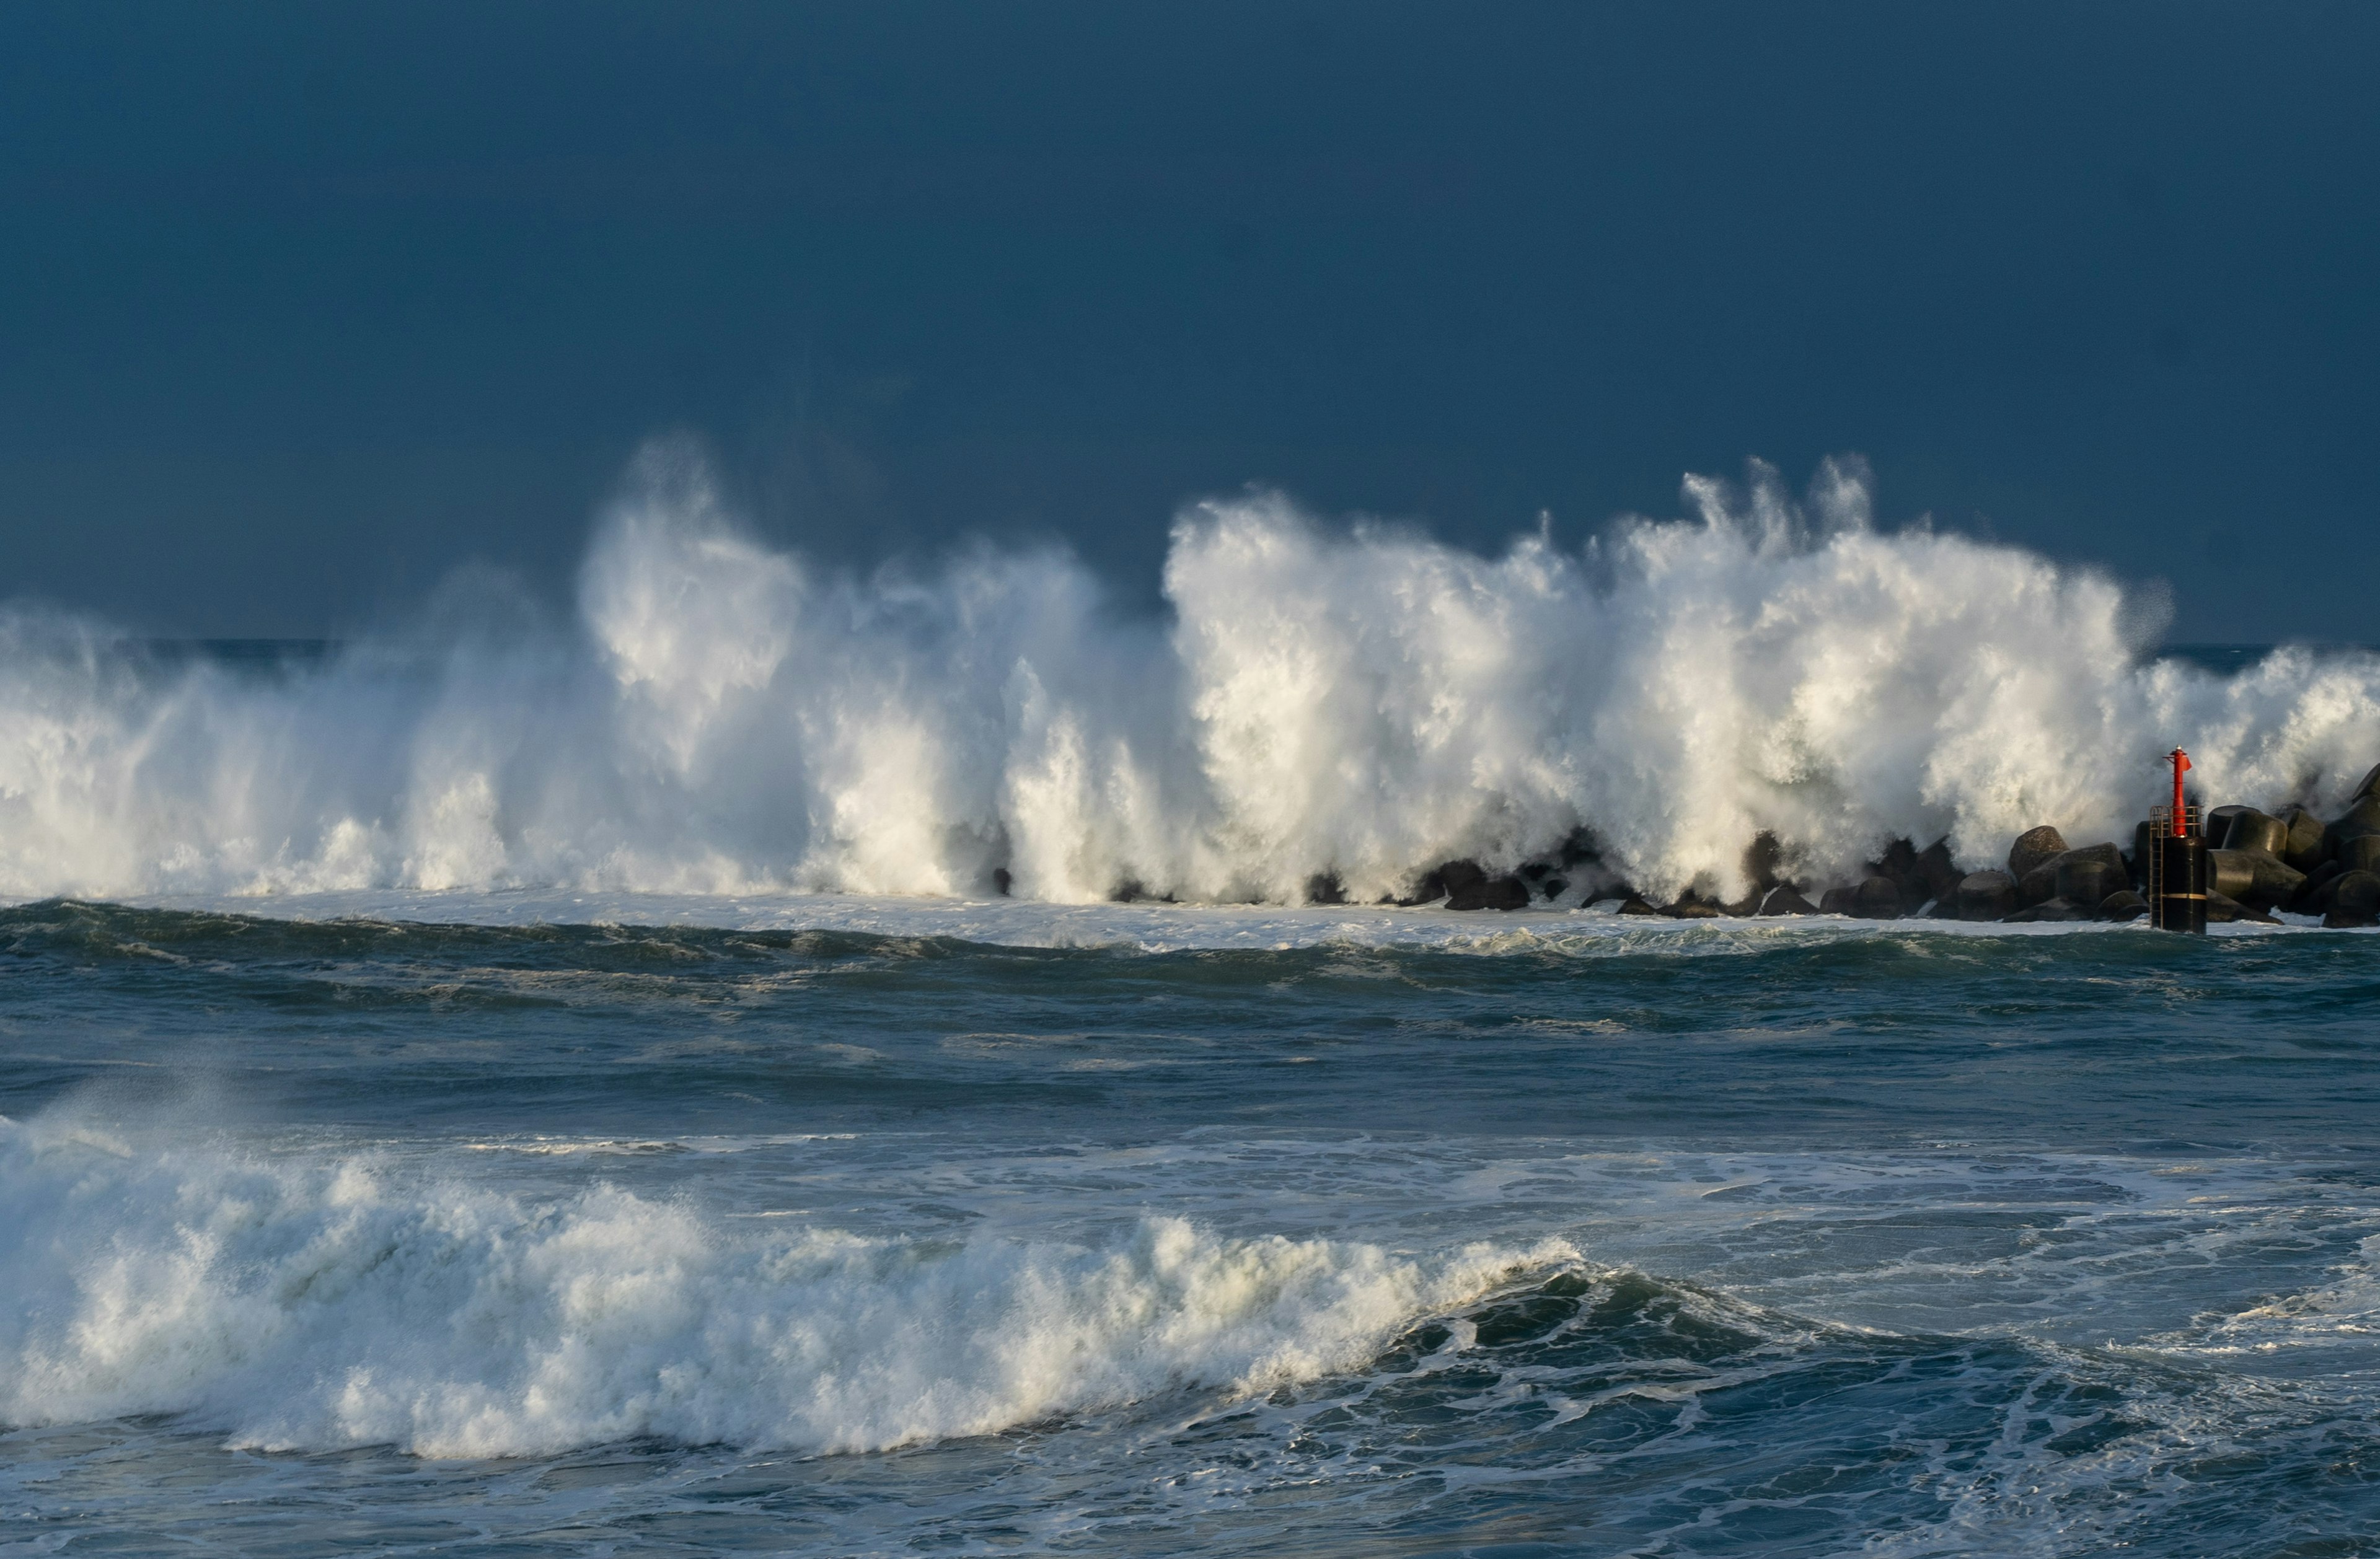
(723, 718)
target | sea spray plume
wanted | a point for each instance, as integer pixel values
(1376, 702)
(315, 1304)
(895, 734)
(1360, 702)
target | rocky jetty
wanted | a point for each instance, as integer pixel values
(2258, 863)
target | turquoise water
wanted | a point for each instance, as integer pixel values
(379, 1236)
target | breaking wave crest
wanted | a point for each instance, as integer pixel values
(1362, 703)
(324, 1304)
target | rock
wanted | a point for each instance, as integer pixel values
(1871, 897)
(2347, 920)
(1554, 886)
(1324, 888)
(1986, 896)
(2371, 786)
(2215, 823)
(1760, 863)
(1578, 848)
(2252, 829)
(2361, 819)
(2091, 873)
(2360, 854)
(2123, 904)
(1635, 906)
(2222, 909)
(1456, 876)
(2252, 876)
(2038, 885)
(1692, 908)
(2304, 849)
(2230, 871)
(1489, 893)
(2033, 848)
(1877, 898)
(2356, 893)
(1001, 881)
(1937, 870)
(2315, 897)
(2051, 909)
(1783, 899)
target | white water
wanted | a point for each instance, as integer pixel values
(723, 719)
(323, 1303)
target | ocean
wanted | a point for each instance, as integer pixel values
(508, 1087)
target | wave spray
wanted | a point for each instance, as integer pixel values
(1360, 702)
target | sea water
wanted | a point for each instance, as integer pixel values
(1568, 1235)
(503, 1085)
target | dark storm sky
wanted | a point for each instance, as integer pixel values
(301, 306)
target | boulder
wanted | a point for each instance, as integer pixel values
(1761, 859)
(1692, 908)
(2123, 904)
(2252, 829)
(2033, 848)
(1924, 876)
(2355, 899)
(1939, 872)
(1986, 896)
(2252, 876)
(2358, 821)
(2038, 885)
(1838, 901)
(2371, 786)
(1578, 848)
(1489, 893)
(2315, 897)
(2050, 908)
(2222, 909)
(2089, 874)
(2215, 823)
(1635, 906)
(1877, 898)
(1783, 899)
(1324, 888)
(2304, 847)
(1554, 886)
(2360, 854)
(2230, 871)
(1454, 877)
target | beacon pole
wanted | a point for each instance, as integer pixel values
(2177, 870)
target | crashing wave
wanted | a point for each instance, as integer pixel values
(1321, 706)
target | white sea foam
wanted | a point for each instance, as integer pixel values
(723, 719)
(318, 1304)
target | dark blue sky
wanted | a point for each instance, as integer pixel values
(302, 306)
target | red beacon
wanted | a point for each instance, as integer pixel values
(2177, 860)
